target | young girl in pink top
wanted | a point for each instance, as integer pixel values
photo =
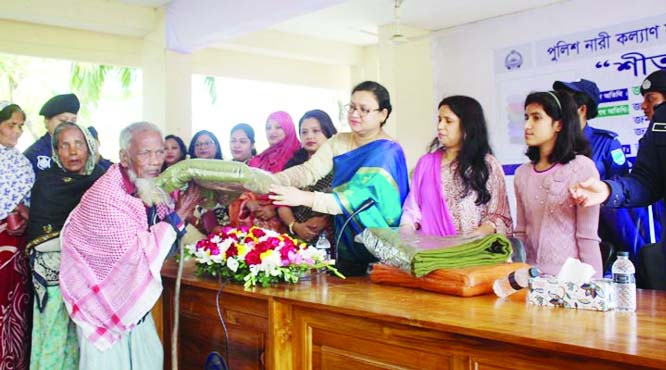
(548, 221)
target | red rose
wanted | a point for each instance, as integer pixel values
(201, 244)
(284, 251)
(258, 232)
(262, 246)
(232, 251)
(289, 242)
(252, 258)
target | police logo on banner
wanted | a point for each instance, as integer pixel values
(513, 60)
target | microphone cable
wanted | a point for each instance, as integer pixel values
(365, 205)
(225, 360)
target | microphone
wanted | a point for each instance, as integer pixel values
(365, 205)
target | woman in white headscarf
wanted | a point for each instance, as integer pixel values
(16, 179)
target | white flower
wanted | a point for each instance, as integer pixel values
(232, 264)
(191, 248)
(254, 270)
(217, 258)
(224, 244)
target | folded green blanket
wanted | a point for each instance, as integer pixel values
(222, 181)
(487, 250)
(421, 254)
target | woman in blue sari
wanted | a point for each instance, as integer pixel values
(368, 165)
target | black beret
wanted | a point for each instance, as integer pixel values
(60, 104)
(656, 81)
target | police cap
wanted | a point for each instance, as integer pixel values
(656, 81)
(60, 104)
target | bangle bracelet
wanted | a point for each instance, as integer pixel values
(291, 226)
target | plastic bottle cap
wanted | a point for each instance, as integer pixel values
(534, 272)
(623, 254)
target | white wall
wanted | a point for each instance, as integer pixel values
(463, 56)
(64, 43)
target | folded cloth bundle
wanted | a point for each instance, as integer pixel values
(226, 179)
(463, 282)
(421, 254)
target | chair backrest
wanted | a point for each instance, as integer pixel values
(651, 272)
(518, 247)
(608, 255)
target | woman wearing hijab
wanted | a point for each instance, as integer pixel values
(55, 194)
(16, 179)
(251, 209)
(283, 142)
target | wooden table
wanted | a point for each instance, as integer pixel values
(328, 323)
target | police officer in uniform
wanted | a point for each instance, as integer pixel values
(58, 109)
(610, 161)
(647, 182)
(607, 152)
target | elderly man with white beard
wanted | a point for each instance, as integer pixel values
(113, 246)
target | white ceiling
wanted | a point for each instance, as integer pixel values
(146, 3)
(357, 21)
(352, 21)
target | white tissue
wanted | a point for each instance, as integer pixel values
(575, 271)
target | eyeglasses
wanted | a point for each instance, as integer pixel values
(203, 144)
(362, 111)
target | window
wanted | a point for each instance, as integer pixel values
(111, 97)
(217, 107)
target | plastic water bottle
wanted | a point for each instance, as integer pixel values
(624, 282)
(514, 282)
(325, 245)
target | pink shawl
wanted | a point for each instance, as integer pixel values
(276, 156)
(426, 202)
(111, 260)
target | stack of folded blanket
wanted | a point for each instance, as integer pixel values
(463, 282)
(459, 265)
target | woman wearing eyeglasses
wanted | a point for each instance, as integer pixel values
(205, 145)
(367, 164)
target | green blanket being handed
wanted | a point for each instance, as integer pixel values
(222, 181)
(421, 254)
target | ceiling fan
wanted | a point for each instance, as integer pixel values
(397, 37)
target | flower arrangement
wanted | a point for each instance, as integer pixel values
(253, 255)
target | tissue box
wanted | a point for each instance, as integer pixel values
(596, 295)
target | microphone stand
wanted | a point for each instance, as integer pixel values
(365, 205)
(176, 308)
